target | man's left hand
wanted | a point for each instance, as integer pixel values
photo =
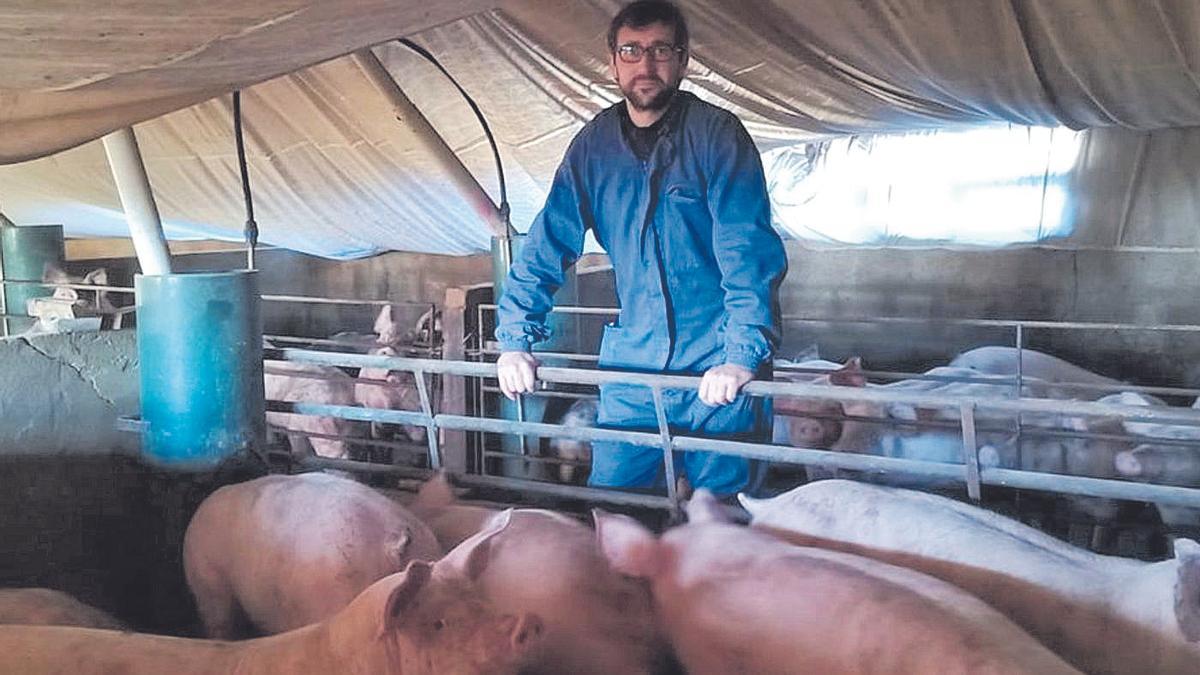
(720, 384)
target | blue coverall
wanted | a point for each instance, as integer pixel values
(697, 267)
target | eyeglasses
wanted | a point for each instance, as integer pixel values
(659, 51)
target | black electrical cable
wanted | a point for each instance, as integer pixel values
(487, 131)
(250, 232)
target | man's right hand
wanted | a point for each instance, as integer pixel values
(517, 373)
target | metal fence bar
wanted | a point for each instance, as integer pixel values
(1000, 323)
(537, 460)
(1064, 484)
(1046, 482)
(408, 447)
(1059, 483)
(564, 309)
(989, 323)
(1034, 431)
(350, 412)
(1180, 416)
(78, 287)
(998, 380)
(664, 434)
(970, 451)
(957, 472)
(315, 300)
(431, 430)
(1092, 487)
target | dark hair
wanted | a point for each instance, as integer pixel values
(645, 12)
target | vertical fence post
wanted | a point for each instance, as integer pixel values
(664, 432)
(431, 430)
(454, 387)
(970, 450)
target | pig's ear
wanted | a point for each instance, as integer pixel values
(850, 374)
(395, 546)
(385, 326)
(1127, 463)
(1187, 588)
(471, 557)
(751, 504)
(97, 277)
(404, 593)
(630, 548)
(703, 507)
(53, 273)
(436, 493)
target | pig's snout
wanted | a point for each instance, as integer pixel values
(813, 433)
(1127, 463)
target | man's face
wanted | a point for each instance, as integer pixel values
(648, 84)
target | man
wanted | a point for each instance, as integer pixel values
(673, 189)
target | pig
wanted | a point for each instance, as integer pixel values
(426, 332)
(582, 413)
(597, 622)
(1142, 459)
(736, 600)
(425, 620)
(1103, 614)
(807, 419)
(97, 301)
(998, 360)
(48, 607)
(312, 383)
(808, 427)
(80, 302)
(390, 390)
(282, 552)
(1165, 465)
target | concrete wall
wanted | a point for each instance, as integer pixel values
(63, 393)
(1124, 286)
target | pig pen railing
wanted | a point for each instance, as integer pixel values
(969, 473)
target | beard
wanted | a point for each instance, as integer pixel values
(657, 100)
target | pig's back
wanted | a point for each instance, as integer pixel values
(749, 601)
(61, 650)
(296, 549)
(48, 607)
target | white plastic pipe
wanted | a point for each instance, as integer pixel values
(133, 185)
(434, 143)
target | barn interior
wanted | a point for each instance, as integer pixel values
(1069, 230)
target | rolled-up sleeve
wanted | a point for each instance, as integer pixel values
(749, 252)
(554, 243)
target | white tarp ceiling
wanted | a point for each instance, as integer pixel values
(334, 173)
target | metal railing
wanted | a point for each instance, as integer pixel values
(969, 473)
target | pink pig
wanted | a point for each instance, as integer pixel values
(1104, 614)
(597, 621)
(287, 551)
(734, 600)
(426, 620)
(48, 607)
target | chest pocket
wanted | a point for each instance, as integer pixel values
(686, 225)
